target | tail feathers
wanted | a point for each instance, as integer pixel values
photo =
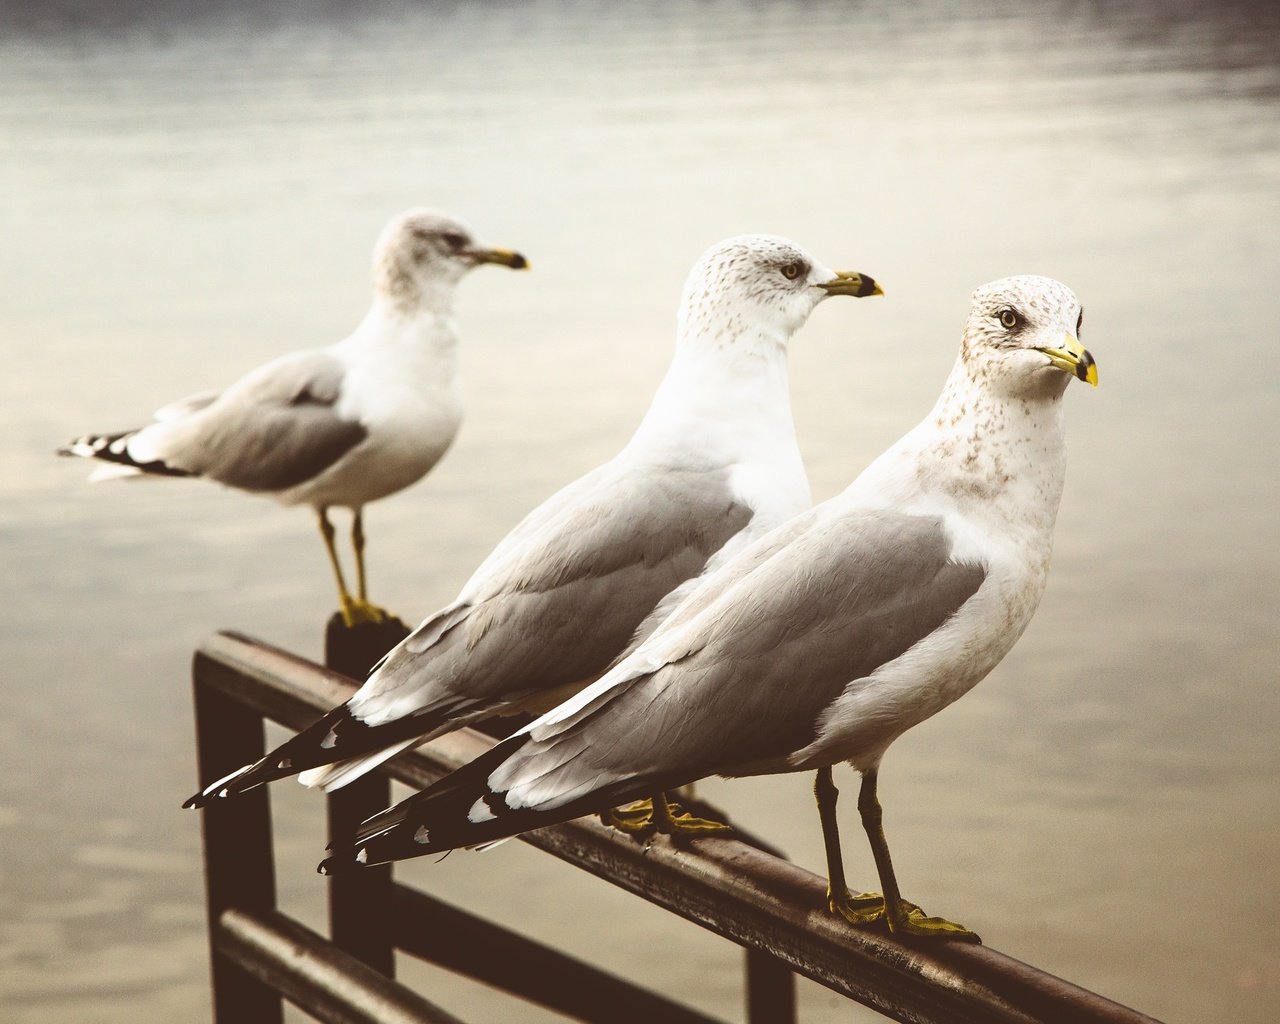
(462, 811)
(114, 449)
(362, 748)
(111, 471)
(340, 739)
(334, 776)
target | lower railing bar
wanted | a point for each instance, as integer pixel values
(732, 889)
(446, 935)
(315, 975)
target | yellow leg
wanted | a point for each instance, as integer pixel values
(344, 596)
(354, 610)
(357, 545)
(368, 612)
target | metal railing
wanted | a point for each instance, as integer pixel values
(760, 901)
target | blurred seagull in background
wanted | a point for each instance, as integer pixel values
(713, 465)
(342, 425)
(825, 640)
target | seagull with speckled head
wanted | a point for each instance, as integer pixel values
(336, 426)
(825, 640)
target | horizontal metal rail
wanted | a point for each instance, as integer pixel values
(330, 985)
(762, 902)
(449, 937)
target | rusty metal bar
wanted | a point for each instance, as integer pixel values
(450, 937)
(741, 893)
(315, 975)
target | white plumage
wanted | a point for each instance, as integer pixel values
(828, 638)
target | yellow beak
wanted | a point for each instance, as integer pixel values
(1075, 359)
(847, 282)
(505, 257)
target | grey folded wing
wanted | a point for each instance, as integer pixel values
(273, 429)
(559, 609)
(743, 671)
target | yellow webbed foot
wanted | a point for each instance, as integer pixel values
(856, 908)
(868, 907)
(356, 612)
(646, 818)
(635, 819)
(916, 922)
(681, 823)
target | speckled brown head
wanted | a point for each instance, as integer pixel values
(765, 280)
(1023, 337)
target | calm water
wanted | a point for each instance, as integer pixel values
(186, 199)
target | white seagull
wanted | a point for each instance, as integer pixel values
(827, 639)
(342, 425)
(713, 465)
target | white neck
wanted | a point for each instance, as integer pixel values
(420, 341)
(726, 395)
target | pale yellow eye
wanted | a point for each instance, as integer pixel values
(1009, 319)
(791, 271)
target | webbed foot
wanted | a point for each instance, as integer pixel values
(356, 612)
(646, 818)
(868, 907)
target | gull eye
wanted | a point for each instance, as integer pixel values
(1009, 319)
(454, 240)
(792, 270)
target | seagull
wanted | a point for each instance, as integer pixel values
(342, 425)
(826, 639)
(713, 465)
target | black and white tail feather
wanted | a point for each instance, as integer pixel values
(339, 748)
(463, 810)
(113, 449)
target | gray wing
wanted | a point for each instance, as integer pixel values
(186, 406)
(559, 611)
(753, 662)
(272, 430)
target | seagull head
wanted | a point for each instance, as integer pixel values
(760, 284)
(421, 250)
(1023, 337)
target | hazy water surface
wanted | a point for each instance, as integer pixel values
(187, 198)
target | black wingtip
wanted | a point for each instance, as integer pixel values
(340, 862)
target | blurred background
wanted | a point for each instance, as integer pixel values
(190, 190)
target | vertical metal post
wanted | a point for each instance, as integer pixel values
(360, 901)
(771, 990)
(238, 867)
